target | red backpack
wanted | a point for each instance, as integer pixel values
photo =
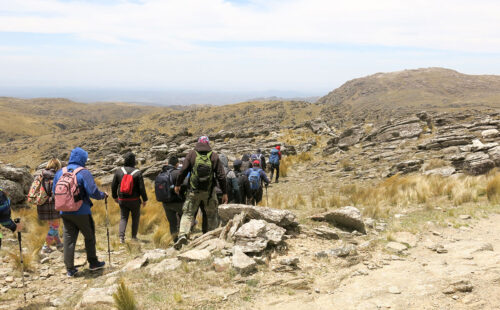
(67, 193)
(127, 184)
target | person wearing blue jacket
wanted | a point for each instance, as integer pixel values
(256, 193)
(81, 220)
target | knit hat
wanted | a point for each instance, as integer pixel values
(203, 139)
(278, 147)
(256, 163)
(237, 163)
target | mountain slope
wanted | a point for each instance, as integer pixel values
(421, 88)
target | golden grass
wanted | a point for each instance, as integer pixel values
(124, 298)
(493, 189)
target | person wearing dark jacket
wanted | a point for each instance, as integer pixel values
(246, 162)
(129, 203)
(5, 217)
(81, 220)
(245, 191)
(261, 158)
(205, 168)
(257, 194)
(173, 209)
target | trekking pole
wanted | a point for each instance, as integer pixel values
(267, 197)
(107, 230)
(21, 258)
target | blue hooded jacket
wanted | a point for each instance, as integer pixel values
(88, 188)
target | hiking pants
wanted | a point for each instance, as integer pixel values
(277, 168)
(126, 208)
(256, 196)
(191, 205)
(73, 224)
(173, 211)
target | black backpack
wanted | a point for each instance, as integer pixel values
(164, 187)
(233, 188)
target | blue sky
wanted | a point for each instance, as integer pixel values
(311, 46)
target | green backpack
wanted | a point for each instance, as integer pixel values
(202, 174)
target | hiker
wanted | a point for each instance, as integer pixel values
(127, 190)
(80, 220)
(41, 195)
(261, 158)
(230, 178)
(274, 160)
(256, 176)
(245, 162)
(239, 192)
(204, 166)
(164, 190)
(5, 219)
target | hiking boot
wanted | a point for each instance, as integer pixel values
(122, 240)
(180, 242)
(97, 265)
(60, 247)
(276, 181)
(46, 250)
(71, 272)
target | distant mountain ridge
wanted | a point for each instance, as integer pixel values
(418, 88)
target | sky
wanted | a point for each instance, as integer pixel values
(308, 46)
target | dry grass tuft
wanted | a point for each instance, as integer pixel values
(124, 298)
(434, 164)
(162, 237)
(493, 189)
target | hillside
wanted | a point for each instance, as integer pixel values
(22, 118)
(430, 88)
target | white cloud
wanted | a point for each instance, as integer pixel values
(160, 42)
(449, 24)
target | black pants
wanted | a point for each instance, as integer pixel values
(173, 211)
(127, 208)
(277, 168)
(73, 224)
(256, 196)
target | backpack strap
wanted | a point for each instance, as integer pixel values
(64, 170)
(78, 170)
(124, 171)
(134, 172)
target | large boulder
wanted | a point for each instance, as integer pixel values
(256, 235)
(318, 126)
(16, 182)
(351, 137)
(478, 163)
(347, 217)
(282, 218)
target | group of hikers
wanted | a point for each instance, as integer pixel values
(198, 183)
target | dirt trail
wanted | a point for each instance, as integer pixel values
(418, 280)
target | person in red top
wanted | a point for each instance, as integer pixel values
(278, 147)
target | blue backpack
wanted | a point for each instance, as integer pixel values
(254, 179)
(274, 159)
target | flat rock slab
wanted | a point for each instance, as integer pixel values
(158, 254)
(396, 247)
(165, 265)
(98, 296)
(195, 255)
(135, 264)
(282, 218)
(346, 217)
(241, 262)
